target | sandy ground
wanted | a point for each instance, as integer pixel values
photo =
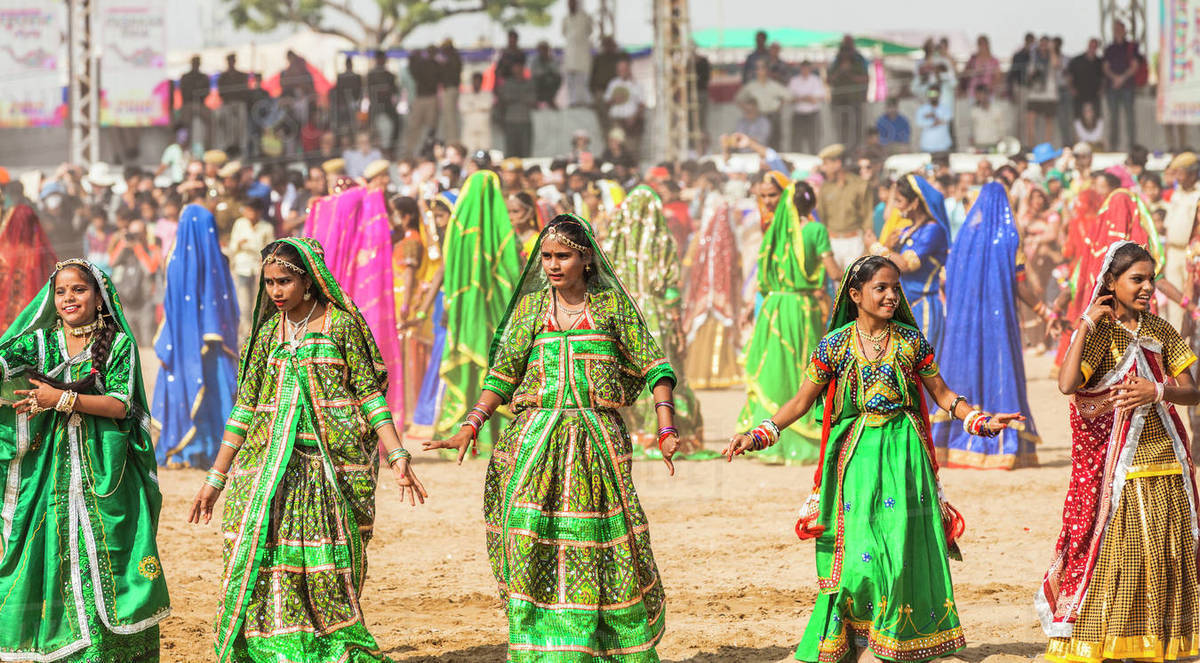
(739, 584)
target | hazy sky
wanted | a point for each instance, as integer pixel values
(1005, 23)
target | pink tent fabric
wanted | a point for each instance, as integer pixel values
(355, 230)
(320, 83)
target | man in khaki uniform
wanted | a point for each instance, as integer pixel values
(226, 207)
(844, 206)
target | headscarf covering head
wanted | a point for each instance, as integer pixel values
(41, 313)
(857, 275)
(778, 180)
(574, 233)
(1124, 214)
(26, 256)
(931, 199)
(305, 257)
(1121, 255)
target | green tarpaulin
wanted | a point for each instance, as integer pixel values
(717, 38)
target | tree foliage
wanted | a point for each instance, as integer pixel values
(371, 23)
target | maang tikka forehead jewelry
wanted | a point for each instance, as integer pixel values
(554, 234)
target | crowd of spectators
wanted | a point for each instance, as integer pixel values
(1059, 99)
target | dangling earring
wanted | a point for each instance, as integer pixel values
(307, 295)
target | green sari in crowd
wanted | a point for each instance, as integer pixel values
(80, 576)
(882, 569)
(482, 264)
(567, 538)
(791, 278)
(300, 502)
(646, 259)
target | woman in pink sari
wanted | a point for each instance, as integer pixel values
(982, 70)
(355, 228)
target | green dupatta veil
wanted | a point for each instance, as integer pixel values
(265, 458)
(791, 280)
(603, 601)
(482, 265)
(645, 257)
(102, 522)
(313, 256)
(533, 279)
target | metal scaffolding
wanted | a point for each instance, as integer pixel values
(83, 82)
(677, 112)
(606, 19)
(1131, 12)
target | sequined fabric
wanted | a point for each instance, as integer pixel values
(567, 538)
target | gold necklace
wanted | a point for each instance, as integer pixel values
(86, 330)
(876, 340)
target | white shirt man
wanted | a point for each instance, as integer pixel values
(625, 98)
(809, 92)
(577, 53)
(1181, 213)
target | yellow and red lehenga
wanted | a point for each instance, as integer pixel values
(1123, 582)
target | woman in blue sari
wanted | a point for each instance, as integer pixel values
(436, 217)
(919, 248)
(196, 345)
(985, 275)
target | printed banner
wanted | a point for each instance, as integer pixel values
(1179, 62)
(133, 73)
(32, 48)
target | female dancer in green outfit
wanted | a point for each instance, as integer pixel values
(883, 527)
(793, 262)
(301, 459)
(80, 577)
(566, 536)
(646, 260)
(482, 264)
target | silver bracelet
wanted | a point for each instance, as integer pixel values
(1087, 320)
(954, 405)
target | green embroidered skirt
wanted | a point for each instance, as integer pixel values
(569, 543)
(885, 582)
(785, 333)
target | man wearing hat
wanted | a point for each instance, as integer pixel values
(224, 197)
(334, 167)
(512, 172)
(1181, 212)
(378, 175)
(844, 205)
(1081, 174)
(1044, 155)
(213, 160)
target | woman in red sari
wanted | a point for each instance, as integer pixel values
(26, 258)
(1122, 216)
(710, 313)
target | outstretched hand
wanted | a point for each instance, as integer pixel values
(738, 445)
(1001, 421)
(461, 441)
(410, 486)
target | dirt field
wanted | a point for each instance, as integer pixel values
(739, 584)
